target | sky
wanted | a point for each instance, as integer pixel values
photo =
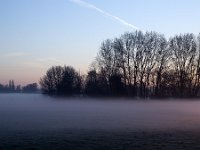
(36, 34)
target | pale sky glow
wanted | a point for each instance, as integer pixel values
(14, 54)
(85, 4)
(36, 34)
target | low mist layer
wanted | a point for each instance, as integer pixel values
(39, 112)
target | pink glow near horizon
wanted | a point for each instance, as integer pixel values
(27, 76)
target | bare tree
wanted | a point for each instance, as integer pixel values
(196, 71)
(51, 82)
(184, 52)
(61, 80)
(161, 66)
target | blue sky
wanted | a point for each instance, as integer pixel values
(36, 34)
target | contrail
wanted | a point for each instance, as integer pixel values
(88, 5)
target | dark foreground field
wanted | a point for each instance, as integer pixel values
(108, 140)
(37, 122)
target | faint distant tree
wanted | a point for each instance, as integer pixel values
(18, 89)
(11, 86)
(2, 88)
(30, 88)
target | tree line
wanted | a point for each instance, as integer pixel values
(149, 65)
(135, 64)
(11, 88)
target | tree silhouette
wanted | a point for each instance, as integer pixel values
(91, 87)
(61, 81)
(135, 64)
(30, 88)
(146, 61)
(70, 83)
